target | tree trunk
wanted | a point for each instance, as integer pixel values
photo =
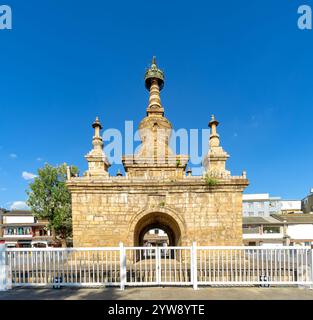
(63, 243)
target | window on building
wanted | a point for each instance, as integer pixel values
(9, 232)
(20, 231)
(42, 232)
(271, 229)
(273, 204)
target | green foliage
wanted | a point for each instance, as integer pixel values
(162, 204)
(49, 198)
(210, 181)
(177, 163)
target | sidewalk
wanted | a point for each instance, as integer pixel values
(160, 294)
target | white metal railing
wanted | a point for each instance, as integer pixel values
(175, 265)
(141, 266)
(254, 265)
(154, 266)
(67, 267)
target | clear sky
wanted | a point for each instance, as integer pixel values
(64, 62)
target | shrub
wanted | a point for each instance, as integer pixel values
(210, 181)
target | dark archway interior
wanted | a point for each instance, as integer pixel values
(157, 220)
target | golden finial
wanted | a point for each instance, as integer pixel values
(154, 61)
(213, 121)
(154, 73)
(97, 123)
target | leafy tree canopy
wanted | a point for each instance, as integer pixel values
(50, 199)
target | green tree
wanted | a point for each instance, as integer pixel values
(49, 198)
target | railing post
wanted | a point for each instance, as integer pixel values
(122, 266)
(158, 265)
(3, 282)
(194, 267)
(311, 251)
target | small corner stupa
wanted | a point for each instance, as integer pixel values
(98, 163)
(215, 161)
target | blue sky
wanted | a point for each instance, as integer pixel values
(65, 62)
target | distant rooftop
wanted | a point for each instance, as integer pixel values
(301, 218)
(260, 220)
(258, 197)
(18, 213)
(279, 219)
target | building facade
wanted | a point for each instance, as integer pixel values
(156, 238)
(290, 206)
(20, 229)
(307, 203)
(278, 230)
(260, 205)
(156, 192)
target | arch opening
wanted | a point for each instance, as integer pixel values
(157, 221)
(156, 236)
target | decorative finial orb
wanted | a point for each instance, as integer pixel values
(153, 73)
(213, 121)
(97, 123)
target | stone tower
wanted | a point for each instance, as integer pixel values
(157, 191)
(155, 158)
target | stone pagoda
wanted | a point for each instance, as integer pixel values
(156, 191)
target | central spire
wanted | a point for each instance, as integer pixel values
(154, 80)
(155, 159)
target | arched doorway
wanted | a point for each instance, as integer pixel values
(156, 237)
(157, 221)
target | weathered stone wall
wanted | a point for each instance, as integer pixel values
(106, 213)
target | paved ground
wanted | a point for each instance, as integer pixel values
(160, 294)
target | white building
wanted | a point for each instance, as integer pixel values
(278, 230)
(290, 206)
(156, 237)
(260, 205)
(20, 229)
